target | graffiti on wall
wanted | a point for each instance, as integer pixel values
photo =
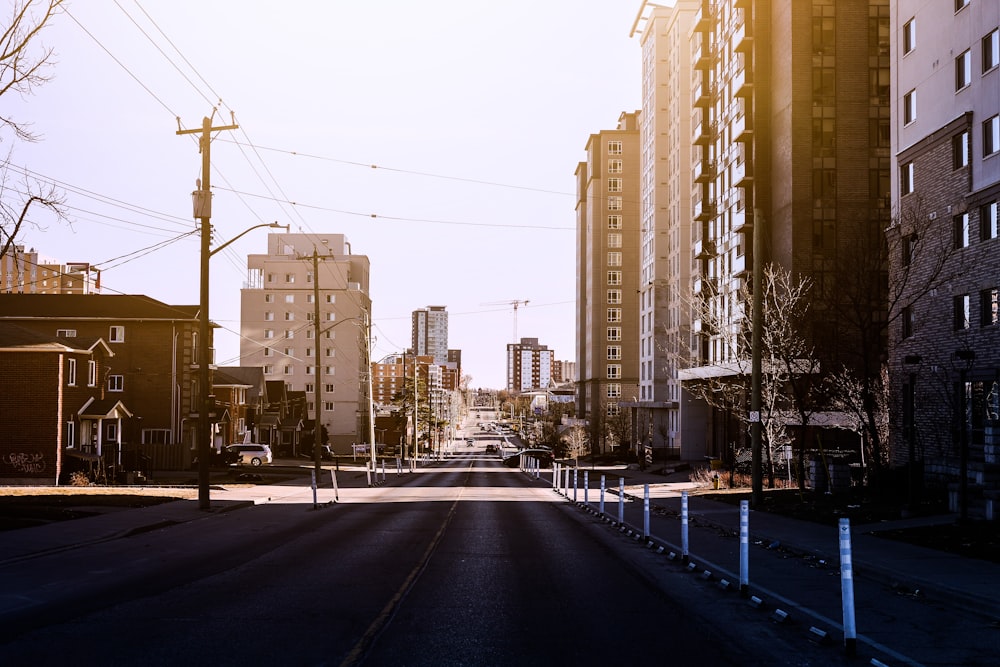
(25, 463)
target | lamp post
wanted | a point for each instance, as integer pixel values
(968, 357)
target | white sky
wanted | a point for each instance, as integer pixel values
(438, 93)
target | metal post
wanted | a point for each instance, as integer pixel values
(336, 489)
(576, 473)
(684, 526)
(602, 495)
(315, 498)
(847, 588)
(645, 511)
(586, 487)
(744, 546)
(621, 500)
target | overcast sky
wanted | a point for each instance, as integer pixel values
(475, 112)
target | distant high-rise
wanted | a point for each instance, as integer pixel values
(278, 332)
(430, 333)
(26, 272)
(529, 366)
(608, 274)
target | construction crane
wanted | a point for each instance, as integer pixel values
(516, 303)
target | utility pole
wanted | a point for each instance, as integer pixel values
(202, 199)
(756, 336)
(317, 375)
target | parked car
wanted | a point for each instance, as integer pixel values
(492, 448)
(544, 456)
(252, 453)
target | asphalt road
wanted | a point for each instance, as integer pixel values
(465, 563)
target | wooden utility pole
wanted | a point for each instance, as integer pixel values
(317, 374)
(202, 200)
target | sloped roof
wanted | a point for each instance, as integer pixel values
(91, 306)
(14, 337)
(222, 377)
(104, 408)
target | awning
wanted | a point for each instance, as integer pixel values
(85, 456)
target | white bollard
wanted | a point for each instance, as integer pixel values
(315, 499)
(555, 475)
(645, 512)
(368, 473)
(602, 495)
(576, 473)
(336, 489)
(744, 546)
(684, 526)
(586, 487)
(847, 588)
(621, 500)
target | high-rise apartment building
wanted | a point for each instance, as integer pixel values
(608, 273)
(666, 418)
(945, 328)
(305, 316)
(790, 126)
(529, 366)
(26, 272)
(430, 333)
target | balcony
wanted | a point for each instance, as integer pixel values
(743, 129)
(741, 39)
(743, 174)
(704, 133)
(703, 18)
(704, 210)
(704, 93)
(743, 83)
(704, 171)
(703, 57)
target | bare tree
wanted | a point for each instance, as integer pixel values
(577, 443)
(24, 63)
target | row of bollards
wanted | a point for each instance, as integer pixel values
(561, 484)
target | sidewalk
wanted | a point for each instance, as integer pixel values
(971, 583)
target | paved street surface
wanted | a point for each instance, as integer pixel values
(464, 561)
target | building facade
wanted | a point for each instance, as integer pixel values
(945, 327)
(667, 419)
(430, 333)
(26, 272)
(790, 126)
(529, 366)
(608, 219)
(305, 316)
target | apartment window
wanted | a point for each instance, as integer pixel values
(289, 352)
(614, 352)
(963, 70)
(614, 259)
(268, 298)
(289, 316)
(290, 298)
(270, 277)
(329, 370)
(268, 352)
(614, 333)
(614, 203)
(909, 244)
(329, 352)
(116, 383)
(309, 298)
(331, 298)
(614, 185)
(310, 370)
(116, 335)
(268, 369)
(309, 276)
(614, 314)
(71, 372)
(988, 215)
(989, 307)
(289, 278)
(614, 296)
(310, 334)
(909, 107)
(961, 4)
(612, 410)
(111, 432)
(289, 334)
(909, 36)
(614, 371)
(289, 369)
(614, 148)
(906, 178)
(614, 390)
(960, 224)
(614, 240)
(614, 166)
(155, 436)
(908, 321)
(329, 388)
(961, 310)
(991, 50)
(991, 136)
(65, 333)
(268, 333)
(960, 150)
(309, 352)
(269, 316)
(309, 316)
(614, 222)
(614, 278)
(91, 373)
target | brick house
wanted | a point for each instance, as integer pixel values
(153, 367)
(55, 415)
(240, 391)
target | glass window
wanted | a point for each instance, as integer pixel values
(116, 382)
(614, 277)
(963, 70)
(960, 149)
(961, 4)
(991, 50)
(614, 148)
(614, 296)
(614, 314)
(909, 36)
(614, 166)
(614, 185)
(909, 107)
(991, 136)
(961, 230)
(614, 352)
(614, 240)
(268, 298)
(906, 178)
(71, 372)
(989, 303)
(116, 335)
(614, 390)
(988, 215)
(961, 318)
(614, 259)
(908, 321)
(91, 373)
(614, 333)
(614, 222)
(614, 203)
